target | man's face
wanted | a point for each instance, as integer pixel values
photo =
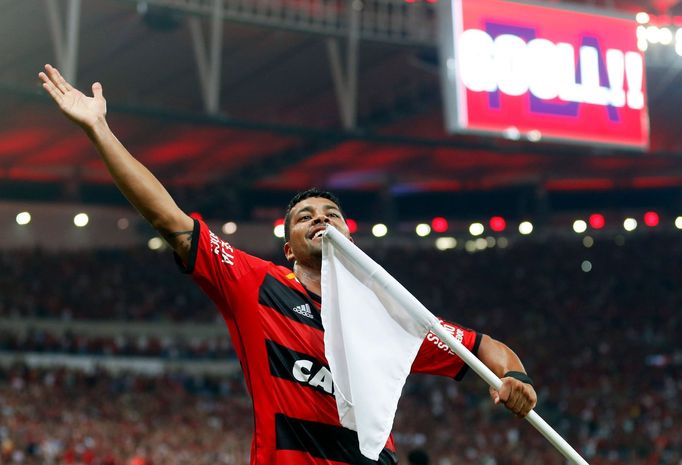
(307, 220)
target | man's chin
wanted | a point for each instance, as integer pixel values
(316, 252)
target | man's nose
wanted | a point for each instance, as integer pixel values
(321, 218)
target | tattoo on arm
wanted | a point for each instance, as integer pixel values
(178, 239)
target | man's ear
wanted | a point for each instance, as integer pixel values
(288, 253)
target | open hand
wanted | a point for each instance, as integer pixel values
(83, 110)
(517, 396)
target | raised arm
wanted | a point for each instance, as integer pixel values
(133, 179)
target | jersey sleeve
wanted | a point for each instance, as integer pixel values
(436, 358)
(215, 265)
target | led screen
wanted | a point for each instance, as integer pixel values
(537, 72)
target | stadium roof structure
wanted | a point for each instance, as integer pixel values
(248, 99)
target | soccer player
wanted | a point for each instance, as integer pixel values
(273, 313)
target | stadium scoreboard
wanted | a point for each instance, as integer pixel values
(524, 70)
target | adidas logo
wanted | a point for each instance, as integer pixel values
(303, 310)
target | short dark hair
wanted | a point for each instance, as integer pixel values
(307, 194)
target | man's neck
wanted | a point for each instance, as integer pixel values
(310, 277)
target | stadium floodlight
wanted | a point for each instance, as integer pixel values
(498, 224)
(379, 230)
(525, 228)
(439, 224)
(278, 228)
(651, 219)
(579, 226)
(81, 220)
(446, 243)
(666, 36)
(534, 135)
(476, 229)
(23, 218)
(597, 220)
(642, 17)
(630, 224)
(653, 34)
(423, 230)
(155, 243)
(229, 228)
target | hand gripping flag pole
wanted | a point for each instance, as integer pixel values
(378, 279)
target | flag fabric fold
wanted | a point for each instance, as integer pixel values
(370, 342)
(373, 330)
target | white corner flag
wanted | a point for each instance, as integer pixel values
(373, 328)
(370, 342)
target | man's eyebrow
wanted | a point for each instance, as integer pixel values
(310, 209)
(304, 209)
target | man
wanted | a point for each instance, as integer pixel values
(273, 314)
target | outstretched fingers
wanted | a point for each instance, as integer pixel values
(97, 90)
(51, 89)
(58, 79)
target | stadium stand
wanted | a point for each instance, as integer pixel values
(600, 346)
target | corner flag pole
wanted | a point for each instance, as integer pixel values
(423, 316)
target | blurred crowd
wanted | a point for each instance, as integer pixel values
(131, 285)
(600, 341)
(70, 342)
(67, 417)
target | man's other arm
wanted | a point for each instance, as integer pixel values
(133, 179)
(516, 395)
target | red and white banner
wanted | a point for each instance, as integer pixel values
(524, 70)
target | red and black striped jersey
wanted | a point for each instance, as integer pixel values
(277, 332)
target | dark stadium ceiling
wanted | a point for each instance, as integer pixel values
(278, 125)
